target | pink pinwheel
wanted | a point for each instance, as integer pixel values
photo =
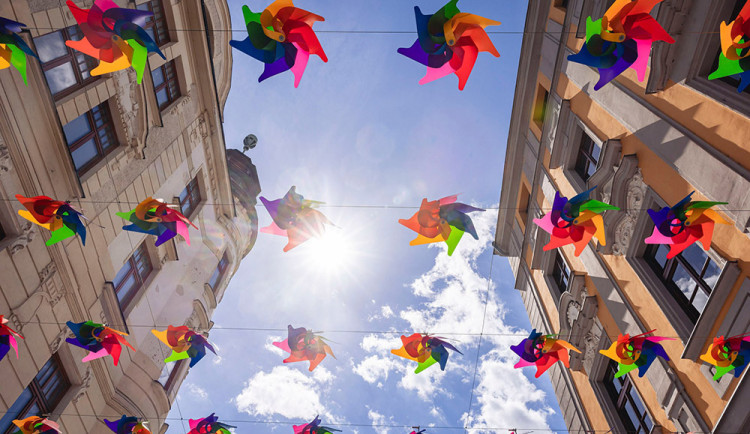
(542, 351)
(303, 345)
(314, 428)
(7, 338)
(294, 217)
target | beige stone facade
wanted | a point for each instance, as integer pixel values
(106, 143)
(643, 145)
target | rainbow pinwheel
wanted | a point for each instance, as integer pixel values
(127, 425)
(441, 220)
(636, 352)
(13, 49)
(448, 42)
(575, 221)
(156, 217)
(621, 39)
(728, 354)
(98, 339)
(425, 350)
(36, 425)
(294, 217)
(733, 59)
(313, 428)
(209, 425)
(115, 36)
(7, 338)
(684, 224)
(281, 37)
(542, 351)
(421, 431)
(302, 345)
(57, 216)
(184, 343)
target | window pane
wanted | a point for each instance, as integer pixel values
(684, 281)
(214, 278)
(695, 257)
(77, 128)
(60, 78)
(85, 153)
(596, 151)
(712, 273)
(165, 373)
(50, 46)
(631, 414)
(122, 274)
(129, 286)
(700, 300)
(161, 97)
(661, 255)
(158, 76)
(14, 410)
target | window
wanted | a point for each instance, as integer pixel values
(588, 157)
(561, 273)
(562, 4)
(540, 106)
(41, 396)
(156, 26)
(90, 137)
(132, 275)
(2, 233)
(65, 69)
(628, 404)
(219, 272)
(169, 374)
(190, 197)
(524, 203)
(690, 276)
(733, 80)
(166, 85)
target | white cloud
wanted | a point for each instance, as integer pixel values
(386, 311)
(284, 391)
(379, 421)
(196, 392)
(273, 348)
(425, 384)
(380, 344)
(376, 369)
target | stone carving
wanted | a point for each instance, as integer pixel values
(128, 98)
(23, 239)
(577, 319)
(48, 290)
(81, 389)
(551, 122)
(5, 161)
(57, 343)
(624, 229)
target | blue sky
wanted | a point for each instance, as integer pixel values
(360, 131)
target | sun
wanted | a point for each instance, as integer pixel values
(331, 253)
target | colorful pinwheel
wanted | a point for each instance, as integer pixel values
(156, 217)
(209, 425)
(184, 343)
(303, 345)
(127, 425)
(449, 42)
(441, 220)
(36, 425)
(728, 354)
(115, 36)
(574, 221)
(7, 338)
(13, 49)
(621, 39)
(59, 217)
(636, 352)
(281, 37)
(425, 350)
(542, 351)
(421, 431)
(294, 217)
(314, 428)
(684, 224)
(733, 59)
(98, 339)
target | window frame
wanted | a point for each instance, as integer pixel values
(140, 278)
(558, 277)
(3, 234)
(193, 197)
(625, 396)
(170, 84)
(176, 371)
(157, 22)
(108, 126)
(585, 159)
(71, 57)
(38, 397)
(539, 109)
(219, 272)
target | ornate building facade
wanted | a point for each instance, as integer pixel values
(106, 143)
(643, 146)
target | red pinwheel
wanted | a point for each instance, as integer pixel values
(209, 425)
(184, 343)
(542, 351)
(7, 338)
(98, 339)
(37, 425)
(156, 217)
(303, 345)
(313, 428)
(57, 216)
(637, 352)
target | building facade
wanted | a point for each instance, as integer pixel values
(106, 143)
(643, 145)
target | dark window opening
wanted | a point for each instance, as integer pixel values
(65, 69)
(689, 277)
(219, 272)
(156, 26)
(40, 397)
(166, 84)
(132, 276)
(561, 273)
(190, 197)
(540, 106)
(2, 233)
(732, 80)
(629, 406)
(588, 157)
(90, 137)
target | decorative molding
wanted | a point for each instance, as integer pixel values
(57, 343)
(48, 290)
(127, 104)
(81, 389)
(626, 190)
(672, 15)
(6, 163)
(23, 239)
(603, 177)
(577, 310)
